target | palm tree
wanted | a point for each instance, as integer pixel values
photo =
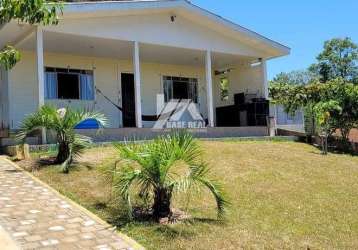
(159, 169)
(63, 123)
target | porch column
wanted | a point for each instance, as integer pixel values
(40, 73)
(137, 85)
(264, 78)
(209, 88)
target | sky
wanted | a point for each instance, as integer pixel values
(302, 25)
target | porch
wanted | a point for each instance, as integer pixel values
(114, 64)
(131, 82)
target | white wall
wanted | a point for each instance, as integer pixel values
(287, 121)
(243, 78)
(156, 29)
(2, 84)
(23, 85)
(4, 100)
(23, 94)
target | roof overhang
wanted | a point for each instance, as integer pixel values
(176, 7)
(183, 7)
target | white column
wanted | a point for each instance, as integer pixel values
(209, 88)
(264, 79)
(40, 67)
(40, 73)
(137, 85)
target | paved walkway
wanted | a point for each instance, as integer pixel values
(37, 217)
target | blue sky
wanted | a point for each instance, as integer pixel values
(302, 25)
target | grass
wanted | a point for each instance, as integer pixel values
(283, 194)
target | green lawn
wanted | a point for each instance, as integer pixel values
(283, 194)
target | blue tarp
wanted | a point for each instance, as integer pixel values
(88, 124)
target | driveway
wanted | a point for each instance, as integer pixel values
(34, 216)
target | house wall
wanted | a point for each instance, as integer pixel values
(23, 91)
(243, 78)
(4, 100)
(156, 29)
(287, 121)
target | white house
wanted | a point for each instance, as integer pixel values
(124, 58)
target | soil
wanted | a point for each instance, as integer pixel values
(176, 217)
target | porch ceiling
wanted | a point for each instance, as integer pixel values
(122, 50)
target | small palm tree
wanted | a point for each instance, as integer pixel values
(63, 123)
(163, 167)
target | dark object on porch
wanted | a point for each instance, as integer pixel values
(248, 110)
(239, 99)
(228, 116)
(257, 111)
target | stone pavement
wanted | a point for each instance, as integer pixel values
(37, 217)
(6, 242)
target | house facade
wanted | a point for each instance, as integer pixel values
(129, 59)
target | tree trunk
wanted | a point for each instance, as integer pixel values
(323, 146)
(326, 144)
(63, 152)
(347, 146)
(162, 199)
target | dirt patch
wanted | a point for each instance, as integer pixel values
(177, 216)
(97, 155)
(91, 157)
(354, 135)
(29, 164)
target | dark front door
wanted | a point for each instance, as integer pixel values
(128, 101)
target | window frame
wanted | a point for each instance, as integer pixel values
(70, 71)
(180, 79)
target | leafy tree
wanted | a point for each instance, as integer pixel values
(224, 89)
(339, 58)
(295, 77)
(63, 122)
(317, 96)
(324, 112)
(162, 168)
(27, 11)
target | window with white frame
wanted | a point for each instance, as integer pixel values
(180, 88)
(74, 84)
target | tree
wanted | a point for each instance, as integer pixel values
(63, 122)
(26, 11)
(159, 169)
(324, 112)
(296, 77)
(321, 97)
(339, 58)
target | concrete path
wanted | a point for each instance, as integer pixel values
(37, 217)
(6, 242)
